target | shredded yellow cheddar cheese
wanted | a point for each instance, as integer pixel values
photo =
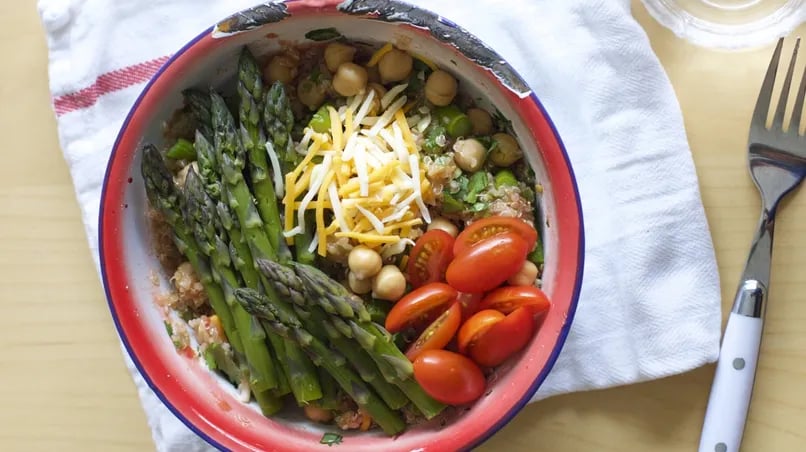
(365, 172)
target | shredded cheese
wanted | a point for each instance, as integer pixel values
(425, 60)
(376, 57)
(277, 172)
(391, 95)
(369, 177)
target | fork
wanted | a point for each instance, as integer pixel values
(777, 162)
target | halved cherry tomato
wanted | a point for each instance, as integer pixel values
(470, 303)
(439, 333)
(429, 258)
(503, 339)
(449, 377)
(476, 325)
(492, 226)
(508, 298)
(488, 264)
(424, 303)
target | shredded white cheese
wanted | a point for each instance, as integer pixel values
(277, 171)
(391, 95)
(369, 177)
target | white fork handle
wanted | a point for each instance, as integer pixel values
(733, 385)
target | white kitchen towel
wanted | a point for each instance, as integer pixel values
(650, 302)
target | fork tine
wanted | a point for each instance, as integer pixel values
(778, 119)
(765, 95)
(796, 114)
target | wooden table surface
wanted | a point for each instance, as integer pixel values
(64, 386)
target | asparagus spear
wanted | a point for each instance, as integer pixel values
(330, 391)
(230, 156)
(240, 254)
(319, 324)
(288, 325)
(278, 118)
(302, 253)
(250, 92)
(164, 196)
(200, 215)
(198, 103)
(337, 301)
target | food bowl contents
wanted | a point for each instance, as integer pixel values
(348, 231)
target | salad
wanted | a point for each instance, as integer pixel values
(347, 232)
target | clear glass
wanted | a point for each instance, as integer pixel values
(729, 24)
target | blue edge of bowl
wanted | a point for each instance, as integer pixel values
(491, 431)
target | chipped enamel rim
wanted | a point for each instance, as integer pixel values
(189, 390)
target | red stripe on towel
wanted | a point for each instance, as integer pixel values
(107, 83)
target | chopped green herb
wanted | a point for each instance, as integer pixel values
(320, 121)
(187, 315)
(451, 204)
(536, 256)
(487, 142)
(323, 34)
(523, 172)
(458, 185)
(169, 328)
(415, 82)
(420, 66)
(435, 139)
(331, 439)
(477, 183)
(316, 75)
(478, 207)
(378, 310)
(502, 123)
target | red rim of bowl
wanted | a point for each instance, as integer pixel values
(121, 303)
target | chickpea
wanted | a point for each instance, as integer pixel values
(358, 285)
(526, 276)
(317, 414)
(310, 93)
(364, 262)
(389, 284)
(350, 79)
(337, 53)
(395, 66)
(469, 154)
(445, 225)
(506, 152)
(481, 120)
(281, 68)
(440, 88)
